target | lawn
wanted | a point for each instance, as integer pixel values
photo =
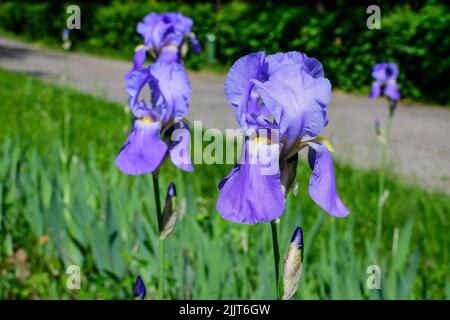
(63, 202)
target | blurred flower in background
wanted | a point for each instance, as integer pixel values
(144, 149)
(66, 39)
(164, 36)
(385, 75)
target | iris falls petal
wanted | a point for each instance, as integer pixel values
(250, 194)
(322, 185)
(179, 150)
(144, 150)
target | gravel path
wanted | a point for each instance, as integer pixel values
(420, 150)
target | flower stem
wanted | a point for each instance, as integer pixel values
(155, 177)
(276, 255)
(161, 269)
(67, 115)
(382, 174)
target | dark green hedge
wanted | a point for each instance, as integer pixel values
(414, 37)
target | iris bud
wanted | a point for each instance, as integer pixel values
(293, 265)
(170, 214)
(139, 288)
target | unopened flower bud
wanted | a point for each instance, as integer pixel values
(170, 213)
(377, 127)
(293, 265)
(139, 288)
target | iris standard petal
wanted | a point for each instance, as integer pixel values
(143, 151)
(161, 30)
(391, 90)
(311, 66)
(154, 30)
(138, 60)
(379, 72)
(182, 27)
(169, 54)
(179, 150)
(135, 82)
(249, 195)
(237, 82)
(182, 23)
(297, 101)
(385, 71)
(171, 91)
(322, 185)
(375, 92)
(391, 70)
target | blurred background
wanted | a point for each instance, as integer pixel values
(64, 118)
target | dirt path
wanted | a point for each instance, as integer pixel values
(420, 150)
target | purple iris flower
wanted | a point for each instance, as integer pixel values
(163, 36)
(385, 75)
(286, 95)
(66, 33)
(145, 147)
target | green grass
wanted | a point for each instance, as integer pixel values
(35, 110)
(103, 220)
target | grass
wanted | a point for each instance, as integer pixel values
(35, 110)
(70, 205)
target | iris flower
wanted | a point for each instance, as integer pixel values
(145, 147)
(164, 35)
(286, 95)
(385, 75)
(66, 39)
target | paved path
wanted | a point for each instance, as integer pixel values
(421, 135)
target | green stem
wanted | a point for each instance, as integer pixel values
(155, 177)
(20, 118)
(381, 180)
(67, 116)
(276, 255)
(161, 269)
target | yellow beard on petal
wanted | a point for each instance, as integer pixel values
(255, 143)
(147, 119)
(324, 142)
(139, 47)
(173, 47)
(143, 122)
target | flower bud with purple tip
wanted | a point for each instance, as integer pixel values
(293, 265)
(139, 288)
(170, 214)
